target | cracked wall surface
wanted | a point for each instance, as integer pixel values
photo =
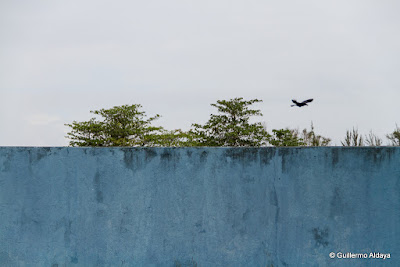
(206, 206)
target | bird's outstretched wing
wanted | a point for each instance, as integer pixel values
(294, 101)
(308, 100)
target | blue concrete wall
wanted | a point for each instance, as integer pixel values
(210, 206)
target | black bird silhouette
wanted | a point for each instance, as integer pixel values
(304, 103)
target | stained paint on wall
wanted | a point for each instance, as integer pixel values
(209, 206)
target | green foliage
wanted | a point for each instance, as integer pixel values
(372, 140)
(231, 127)
(173, 138)
(127, 125)
(121, 126)
(310, 138)
(394, 137)
(285, 137)
(353, 138)
(292, 137)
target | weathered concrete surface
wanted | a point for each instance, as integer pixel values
(212, 206)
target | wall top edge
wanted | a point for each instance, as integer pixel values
(203, 147)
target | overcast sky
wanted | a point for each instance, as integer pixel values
(61, 59)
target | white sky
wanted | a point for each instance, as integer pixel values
(61, 59)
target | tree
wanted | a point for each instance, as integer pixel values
(372, 140)
(285, 137)
(394, 137)
(312, 139)
(173, 138)
(121, 126)
(231, 127)
(353, 138)
(293, 137)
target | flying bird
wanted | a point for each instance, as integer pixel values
(304, 103)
